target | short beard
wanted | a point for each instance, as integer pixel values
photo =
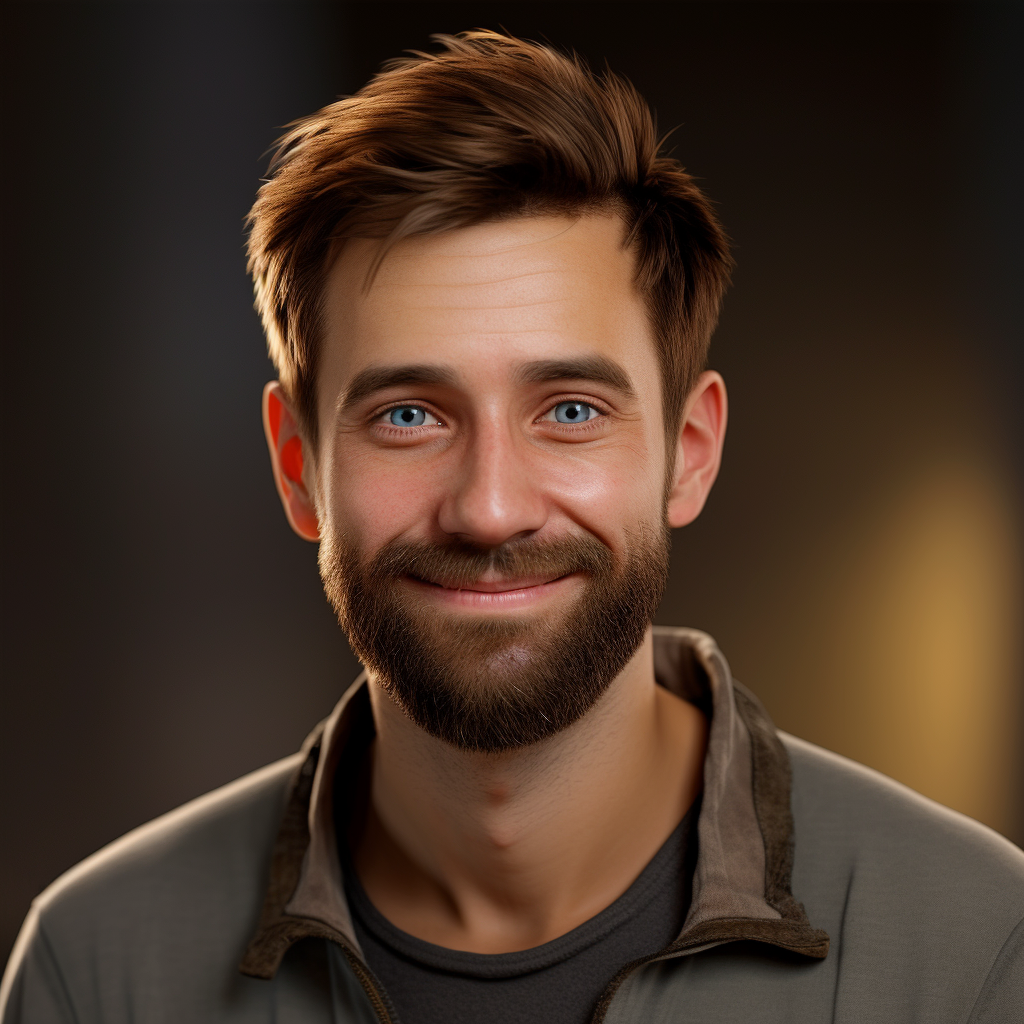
(497, 685)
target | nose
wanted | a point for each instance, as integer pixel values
(493, 496)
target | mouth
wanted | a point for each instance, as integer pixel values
(498, 593)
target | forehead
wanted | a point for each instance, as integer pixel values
(487, 297)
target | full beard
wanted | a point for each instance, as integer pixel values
(496, 684)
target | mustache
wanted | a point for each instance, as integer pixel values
(457, 563)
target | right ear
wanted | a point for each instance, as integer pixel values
(281, 427)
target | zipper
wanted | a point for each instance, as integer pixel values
(601, 1010)
(671, 952)
(679, 948)
(382, 1006)
(382, 1009)
(377, 999)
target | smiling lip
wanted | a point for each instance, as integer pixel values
(492, 594)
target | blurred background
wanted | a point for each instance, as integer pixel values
(860, 561)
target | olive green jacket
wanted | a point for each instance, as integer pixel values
(822, 892)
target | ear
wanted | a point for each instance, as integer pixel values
(699, 452)
(280, 425)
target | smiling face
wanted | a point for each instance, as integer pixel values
(491, 476)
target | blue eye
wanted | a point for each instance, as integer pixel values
(407, 416)
(574, 412)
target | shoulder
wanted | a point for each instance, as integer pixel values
(906, 888)
(189, 853)
(164, 907)
(858, 815)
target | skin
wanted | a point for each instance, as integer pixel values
(499, 852)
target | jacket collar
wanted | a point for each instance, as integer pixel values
(741, 883)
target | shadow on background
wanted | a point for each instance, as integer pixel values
(860, 561)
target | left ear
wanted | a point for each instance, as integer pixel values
(699, 452)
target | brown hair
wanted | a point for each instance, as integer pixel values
(489, 127)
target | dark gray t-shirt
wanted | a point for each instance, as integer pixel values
(559, 982)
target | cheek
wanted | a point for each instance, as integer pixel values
(609, 491)
(371, 501)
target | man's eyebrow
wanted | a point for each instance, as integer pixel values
(597, 369)
(369, 381)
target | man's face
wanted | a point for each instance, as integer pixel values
(491, 473)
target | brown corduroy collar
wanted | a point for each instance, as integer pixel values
(741, 883)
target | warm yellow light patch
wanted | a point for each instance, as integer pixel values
(923, 614)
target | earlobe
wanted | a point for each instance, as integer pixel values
(284, 440)
(699, 450)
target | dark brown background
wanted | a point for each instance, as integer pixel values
(860, 560)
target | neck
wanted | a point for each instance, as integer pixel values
(497, 852)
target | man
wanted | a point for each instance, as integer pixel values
(489, 301)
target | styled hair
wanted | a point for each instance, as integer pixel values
(490, 127)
